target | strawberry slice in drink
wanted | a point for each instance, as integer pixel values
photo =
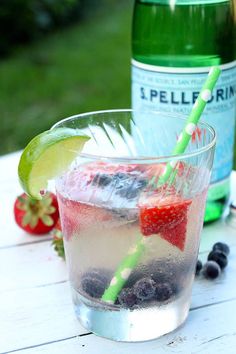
(165, 216)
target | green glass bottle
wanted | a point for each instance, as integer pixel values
(174, 43)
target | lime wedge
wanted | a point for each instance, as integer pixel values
(46, 156)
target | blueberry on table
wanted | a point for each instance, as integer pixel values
(198, 267)
(145, 288)
(219, 257)
(163, 291)
(211, 270)
(127, 298)
(223, 247)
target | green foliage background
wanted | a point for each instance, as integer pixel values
(80, 68)
(25, 20)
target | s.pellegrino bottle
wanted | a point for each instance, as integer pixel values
(174, 44)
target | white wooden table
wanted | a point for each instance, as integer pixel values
(36, 314)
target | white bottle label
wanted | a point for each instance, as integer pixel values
(174, 90)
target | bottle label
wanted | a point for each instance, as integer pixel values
(174, 90)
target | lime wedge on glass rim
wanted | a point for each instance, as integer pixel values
(46, 156)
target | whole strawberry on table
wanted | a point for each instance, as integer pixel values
(36, 217)
(39, 217)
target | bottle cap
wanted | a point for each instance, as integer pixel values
(231, 218)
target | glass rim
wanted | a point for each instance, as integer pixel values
(143, 159)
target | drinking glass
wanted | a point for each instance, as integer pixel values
(131, 238)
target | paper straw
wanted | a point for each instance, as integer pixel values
(192, 121)
(131, 260)
(123, 272)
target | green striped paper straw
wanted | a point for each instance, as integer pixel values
(192, 121)
(131, 260)
(123, 272)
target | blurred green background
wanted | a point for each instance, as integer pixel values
(59, 58)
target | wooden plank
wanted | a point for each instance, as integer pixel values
(36, 315)
(218, 231)
(208, 330)
(45, 312)
(8, 164)
(29, 266)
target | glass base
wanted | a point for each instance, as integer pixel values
(131, 325)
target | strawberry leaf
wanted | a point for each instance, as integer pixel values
(33, 201)
(22, 206)
(34, 221)
(59, 247)
(47, 220)
(51, 210)
(21, 200)
(47, 201)
(26, 219)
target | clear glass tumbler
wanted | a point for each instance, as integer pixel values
(131, 237)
